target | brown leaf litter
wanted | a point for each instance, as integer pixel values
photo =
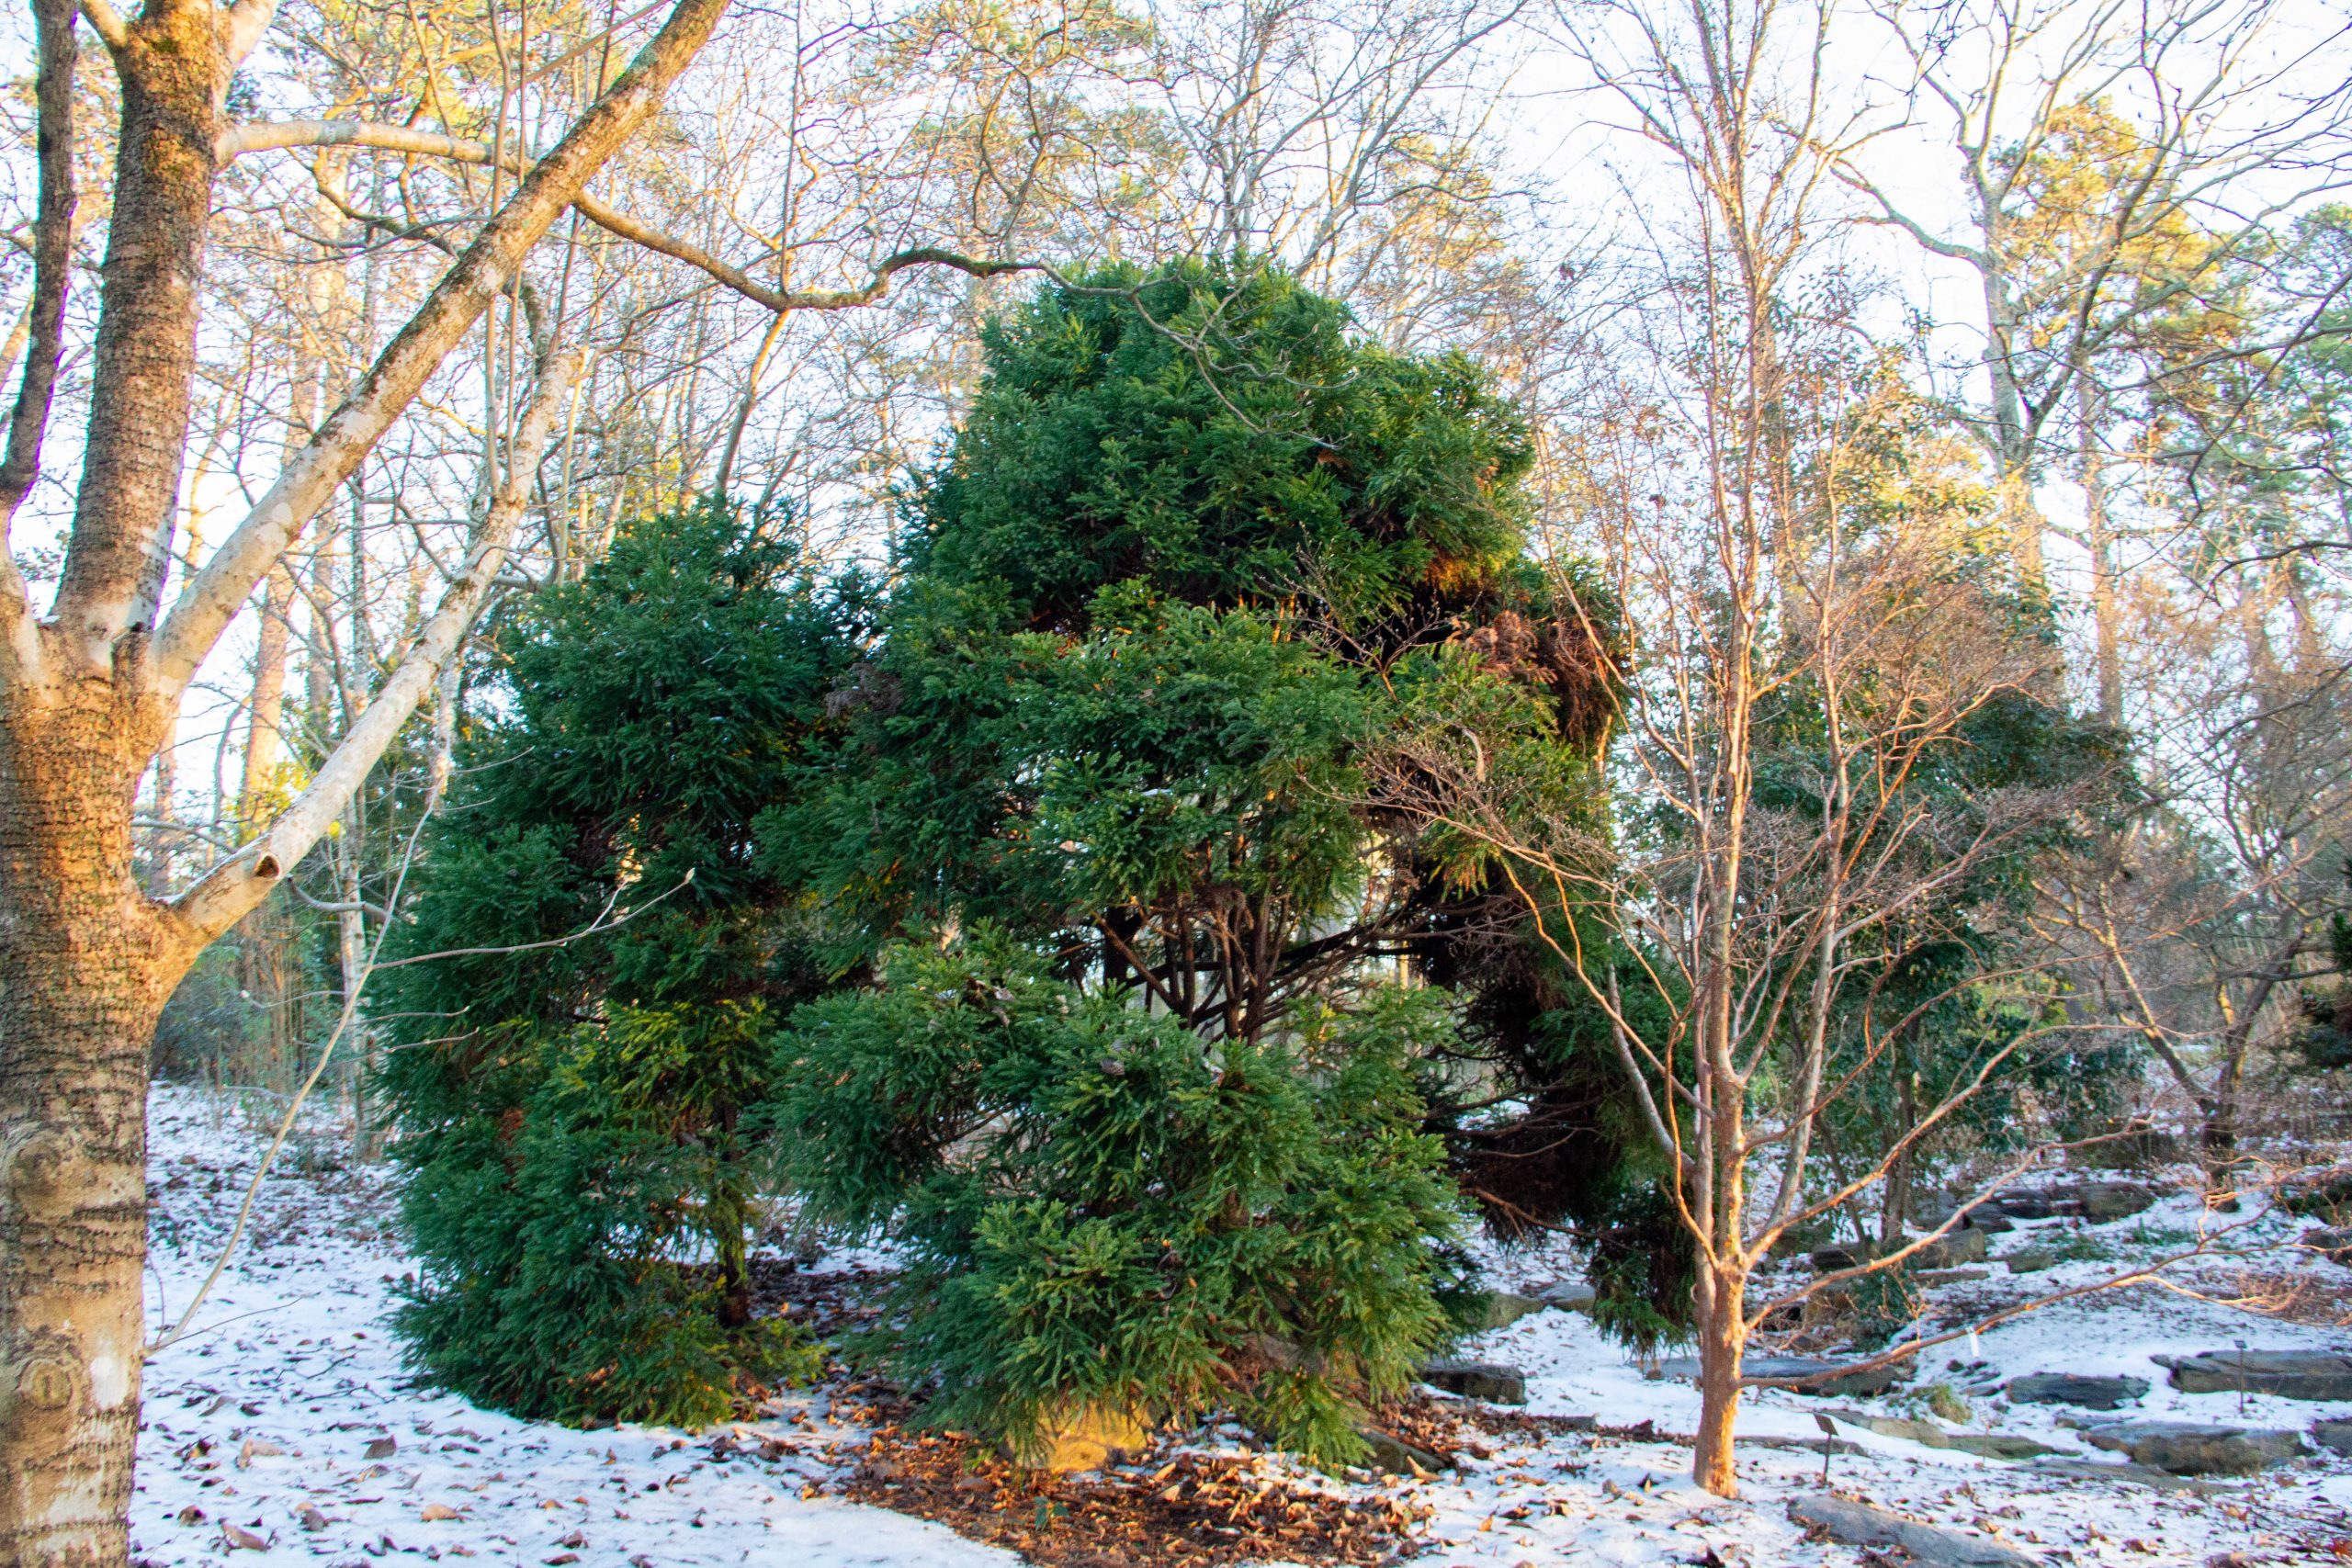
(1194, 1511)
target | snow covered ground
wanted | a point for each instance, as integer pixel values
(283, 1426)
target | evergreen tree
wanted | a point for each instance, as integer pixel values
(1197, 564)
(572, 1107)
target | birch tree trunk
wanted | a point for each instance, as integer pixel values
(86, 957)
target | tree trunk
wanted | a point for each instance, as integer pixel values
(2107, 613)
(1721, 1340)
(85, 963)
(144, 359)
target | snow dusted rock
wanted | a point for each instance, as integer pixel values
(1568, 1296)
(2069, 1388)
(2023, 1203)
(1859, 1524)
(1489, 1380)
(2186, 1448)
(2031, 1260)
(1397, 1457)
(1984, 1445)
(2290, 1374)
(1506, 1307)
(1818, 1377)
(2333, 1436)
(2333, 1243)
(2105, 1201)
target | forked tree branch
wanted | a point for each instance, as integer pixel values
(262, 136)
(224, 895)
(53, 249)
(107, 23)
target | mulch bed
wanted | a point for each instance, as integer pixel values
(1193, 1511)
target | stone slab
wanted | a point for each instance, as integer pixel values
(1490, 1381)
(2188, 1448)
(2290, 1374)
(1814, 1377)
(2070, 1388)
(1859, 1524)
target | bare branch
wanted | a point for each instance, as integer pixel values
(222, 896)
(488, 266)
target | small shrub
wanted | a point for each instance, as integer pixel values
(1944, 1403)
(1884, 1303)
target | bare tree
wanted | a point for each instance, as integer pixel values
(2179, 137)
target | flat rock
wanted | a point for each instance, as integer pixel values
(2070, 1388)
(1490, 1381)
(1859, 1524)
(1816, 1377)
(1951, 1249)
(2186, 1448)
(1924, 1432)
(1506, 1308)
(1567, 1296)
(2335, 1436)
(1984, 1445)
(2290, 1374)
(1997, 1445)
(1393, 1455)
(2031, 1259)
(1088, 1437)
(2105, 1201)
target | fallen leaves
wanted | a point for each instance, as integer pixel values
(1197, 1511)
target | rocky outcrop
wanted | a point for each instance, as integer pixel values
(2186, 1448)
(1504, 1308)
(1859, 1524)
(2290, 1374)
(2071, 1388)
(1809, 1376)
(1490, 1381)
(1984, 1445)
(1567, 1296)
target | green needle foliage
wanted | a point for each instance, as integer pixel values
(1200, 567)
(1102, 1210)
(572, 1117)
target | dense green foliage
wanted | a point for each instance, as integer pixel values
(1131, 1219)
(1162, 1128)
(572, 1112)
(1200, 567)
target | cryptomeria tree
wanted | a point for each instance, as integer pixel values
(572, 1106)
(1198, 559)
